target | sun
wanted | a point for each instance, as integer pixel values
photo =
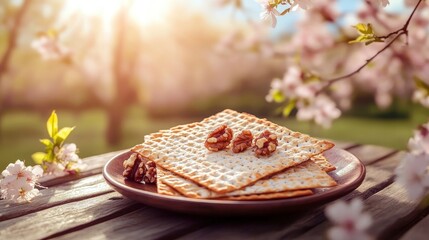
(142, 11)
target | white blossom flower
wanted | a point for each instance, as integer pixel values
(269, 12)
(350, 222)
(68, 161)
(419, 143)
(55, 168)
(18, 181)
(49, 48)
(322, 109)
(413, 174)
(67, 153)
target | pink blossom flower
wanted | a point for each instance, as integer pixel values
(269, 12)
(419, 143)
(304, 4)
(350, 222)
(322, 109)
(377, 3)
(410, 3)
(413, 174)
(292, 85)
(341, 92)
(49, 48)
(18, 181)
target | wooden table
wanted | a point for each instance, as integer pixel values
(84, 207)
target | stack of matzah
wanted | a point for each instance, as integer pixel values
(185, 167)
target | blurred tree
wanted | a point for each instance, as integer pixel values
(122, 71)
(13, 28)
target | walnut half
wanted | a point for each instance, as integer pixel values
(219, 139)
(265, 144)
(242, 141)
(139, 169)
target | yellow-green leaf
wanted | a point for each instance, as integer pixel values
(38, 157)
(289, 107)
(420, 84)
(278, 96)
(363, 28)
(62, 135)
(47, 142)
(52, 124)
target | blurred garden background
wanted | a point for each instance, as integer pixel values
(122, 69)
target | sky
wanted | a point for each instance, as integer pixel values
(286, 23)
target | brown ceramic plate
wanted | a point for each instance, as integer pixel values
(349, 175)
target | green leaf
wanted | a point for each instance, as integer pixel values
(62, 135)
(47, 142)
(289, 107)
(52, 124)
(38, 157)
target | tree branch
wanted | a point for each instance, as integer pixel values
(402, 31)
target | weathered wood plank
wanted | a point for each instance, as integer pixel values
(61, 194)
(369, 153)
(145, 223)
(418, 231)
(94, 166)
(387, 207)
(47, 222)
(379, 175)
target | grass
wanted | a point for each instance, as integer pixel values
(20, 130)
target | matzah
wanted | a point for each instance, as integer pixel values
(323, 163)
(163, 188)
(303, 176)
(267, 196)
(169, 191)
(181, 150)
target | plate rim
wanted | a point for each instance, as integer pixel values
(321, 198)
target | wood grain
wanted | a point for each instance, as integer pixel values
(61, 194)
(145, 223)
(49, 221)
(86, 208)
(386, 207)
(94, 166)
(379, 175)
(370, 153)
(418, 231)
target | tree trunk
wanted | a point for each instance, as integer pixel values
(11, 44)
(117, 108)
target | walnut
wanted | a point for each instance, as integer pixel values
(219, 139)
(140, 172)
(150, 176)
(130, 166)
(242, 141)
(265, 144)
(139, 169)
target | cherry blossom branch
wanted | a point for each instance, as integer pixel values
(402, 31)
